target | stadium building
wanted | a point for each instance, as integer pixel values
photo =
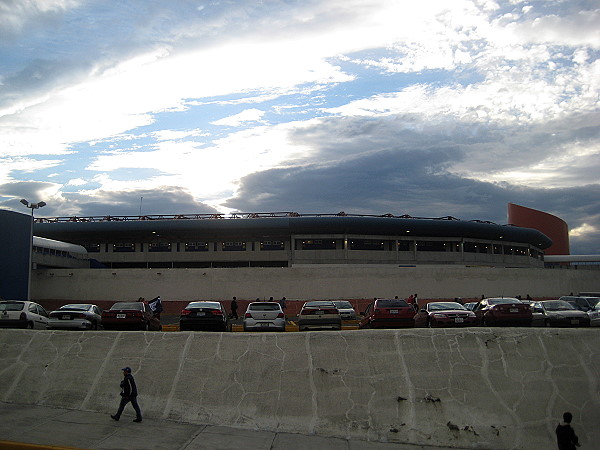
(290, 239)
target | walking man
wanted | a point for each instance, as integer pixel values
(234, 313)
(565, 434)
(128, 394)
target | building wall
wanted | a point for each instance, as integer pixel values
(553, 227)
(15, 245)
(307, 282)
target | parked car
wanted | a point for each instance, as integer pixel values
(595, 316)
(204, 315)
(445, 314)
(77, 316)
(559, 313)
(130, 316)
(503, 311)
(388, 313)
(318, 315)
(22, 314)
(471, 305)
(264, 316)
(583, 303)
(346, 309)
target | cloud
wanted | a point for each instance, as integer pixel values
(248, 115)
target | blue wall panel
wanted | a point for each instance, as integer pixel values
(15, 238)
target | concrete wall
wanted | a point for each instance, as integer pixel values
(318, 282)
(467, 388)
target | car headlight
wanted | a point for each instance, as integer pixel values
(471, 314)
(439, 316)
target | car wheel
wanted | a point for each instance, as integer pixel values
(30, 325)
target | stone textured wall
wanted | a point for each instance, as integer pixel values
(467, 388)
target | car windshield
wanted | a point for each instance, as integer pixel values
(212, 305)
(343, 305)
(264, 306)
(440, 306)
(75, 308)
(593, 300)
(126, 305)
(557, 305)
(503, 301)
(11, 306)
(391, 304)
(319, 305)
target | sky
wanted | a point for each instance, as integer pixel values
(431, 108)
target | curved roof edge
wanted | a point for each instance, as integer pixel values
(264, 226)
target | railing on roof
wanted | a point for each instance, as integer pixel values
(228, 216)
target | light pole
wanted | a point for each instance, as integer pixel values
(32, 206)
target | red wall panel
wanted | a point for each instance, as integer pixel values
(553, 227)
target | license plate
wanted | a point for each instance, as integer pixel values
(514, 310)
(264, 324)
(574, 321)
(393, 311)
(200, 314)
(121, 316)
(458, 320)
(66, 317)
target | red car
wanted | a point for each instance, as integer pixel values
(503, 311)
(130, 316)
(384, 313)
(445, 314)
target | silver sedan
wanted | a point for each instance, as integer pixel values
(264, 316)
(75, 317)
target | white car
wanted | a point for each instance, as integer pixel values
(75, 316)
(264, 316)
(22, 314)
(594, 314)
(346, 309)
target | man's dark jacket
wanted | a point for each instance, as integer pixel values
(566, 437)
(128, 387)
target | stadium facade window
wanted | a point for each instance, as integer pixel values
(316, 244)
(476, 247)
(404, 246)
(508, 250)
(196, 246)
(435, 246)
(233, 247)
(124, 247)
(92, 248)
(271, 245)
(497, 249)
(159, 247)
(521, 251)
(366, 244)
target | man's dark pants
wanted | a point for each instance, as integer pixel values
(134, 403)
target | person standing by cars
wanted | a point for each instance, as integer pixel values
(565, 435)
(234, 306)
(282, 303)
(128, 394)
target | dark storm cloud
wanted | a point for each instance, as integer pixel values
(397, 165)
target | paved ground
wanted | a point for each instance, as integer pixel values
(51, 428)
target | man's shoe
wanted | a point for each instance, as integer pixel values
(137, 420)
(114, 417)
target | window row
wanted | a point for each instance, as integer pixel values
(326, 244)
